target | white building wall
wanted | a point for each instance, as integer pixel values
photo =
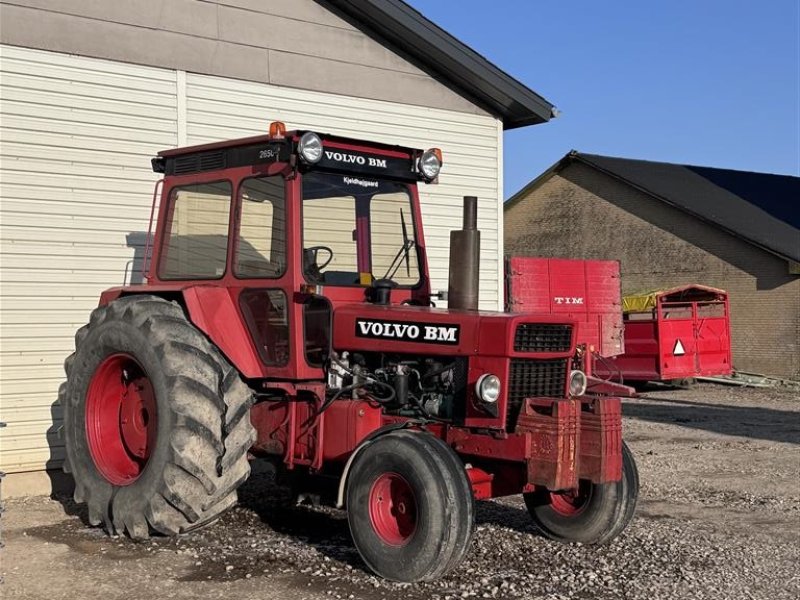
(76, 138)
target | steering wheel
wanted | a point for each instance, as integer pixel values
(313, 252)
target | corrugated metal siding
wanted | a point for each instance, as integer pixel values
(75, 183)
(76, 137)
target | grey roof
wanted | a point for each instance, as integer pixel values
(407, 31)
(761, 208)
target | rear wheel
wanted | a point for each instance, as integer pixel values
(591, 514)
(410, 507)
(156, 421)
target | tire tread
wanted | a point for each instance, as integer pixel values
(209, 445)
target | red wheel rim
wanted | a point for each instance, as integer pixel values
(121, 419)
(393, 509)
(573, 502)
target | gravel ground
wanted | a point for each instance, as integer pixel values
(718, 517)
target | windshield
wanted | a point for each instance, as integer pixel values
(357, 230)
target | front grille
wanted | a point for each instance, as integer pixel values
(542, 337)
(533, 378)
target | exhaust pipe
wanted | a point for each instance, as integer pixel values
(465, 250)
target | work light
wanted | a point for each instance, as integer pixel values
(488, 388)
(430, 163)
(310, 147)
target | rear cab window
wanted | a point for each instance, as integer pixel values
(195, 243)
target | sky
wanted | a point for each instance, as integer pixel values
(704, 82)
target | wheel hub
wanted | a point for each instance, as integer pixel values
(572, 502)
(121, 419)
(393, 509)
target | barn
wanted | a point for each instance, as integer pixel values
(671, 225)
(92, 90)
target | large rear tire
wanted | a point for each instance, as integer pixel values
(594, 513)
(156, 421)
(410, 507)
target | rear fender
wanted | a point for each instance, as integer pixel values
(213, 311)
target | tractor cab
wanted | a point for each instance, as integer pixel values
(291, 225)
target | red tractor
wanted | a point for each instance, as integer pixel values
(288, 315)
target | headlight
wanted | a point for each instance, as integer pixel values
(430, 163)
(310, 147)
(577, 383)
(488, 388)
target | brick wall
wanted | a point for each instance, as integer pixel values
(582, 213)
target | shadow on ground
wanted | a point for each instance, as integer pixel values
(275, 506)
(741, 421)
(327, 529)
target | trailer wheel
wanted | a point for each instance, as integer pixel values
(410, 507)
(156, 421)
(592, 514)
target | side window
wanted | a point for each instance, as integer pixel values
(317, 322)
(261, 245)
(196, 242)
(267, 318)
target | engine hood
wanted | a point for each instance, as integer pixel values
(426, 330)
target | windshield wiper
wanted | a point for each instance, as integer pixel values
(403, 253)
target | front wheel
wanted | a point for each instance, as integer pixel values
(591, 514)
(410, 507)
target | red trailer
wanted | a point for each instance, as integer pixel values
(585, 290)
(679, 333)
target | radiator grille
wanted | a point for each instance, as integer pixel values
(528, 378)
(542, 337)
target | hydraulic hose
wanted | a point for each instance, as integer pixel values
(355, 386)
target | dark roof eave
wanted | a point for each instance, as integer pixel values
(452, 61)
(772, 249)
(782, 238)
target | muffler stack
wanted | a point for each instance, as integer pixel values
(465, 249)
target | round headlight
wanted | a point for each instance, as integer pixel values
(430, 164)
(488, 388)
(577, 383)
(310, 147)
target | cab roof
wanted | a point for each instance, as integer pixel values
(289, 135)
(341, 154)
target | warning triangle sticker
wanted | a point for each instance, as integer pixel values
(678, 350)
